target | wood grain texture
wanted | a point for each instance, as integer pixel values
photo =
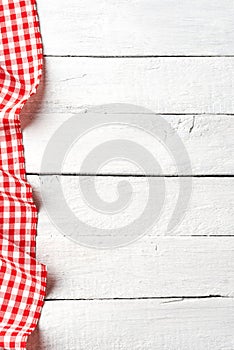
(208, 140)
(209, 211)
(195, 94)
(150, 267)
(163, 85)
(135, 325)
(155, 265)
(152, 27)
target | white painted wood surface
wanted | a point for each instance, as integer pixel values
(135, 41)
(209, 212)
(208, 140)
(150, 267)
(163, 85)
(204, 324)
(137, 27)
(175, 266)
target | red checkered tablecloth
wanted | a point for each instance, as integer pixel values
(22, 278)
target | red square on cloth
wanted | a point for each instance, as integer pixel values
(22, 278)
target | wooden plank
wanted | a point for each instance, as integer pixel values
(153, 27)
(155, 264)
(136, 324)
(163, 85)
(208, 140)
(209, 211)
(150, 267)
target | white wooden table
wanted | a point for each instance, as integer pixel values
(161, 292)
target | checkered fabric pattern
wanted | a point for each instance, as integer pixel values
(22, 278)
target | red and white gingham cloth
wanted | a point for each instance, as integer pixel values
(22, 278)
